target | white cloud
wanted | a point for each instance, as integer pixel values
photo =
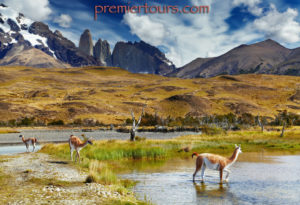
(251, 4)
(188, 37)
(38, 10)
(246, 2)
(280, 26)
(145, 29)
(63, 20)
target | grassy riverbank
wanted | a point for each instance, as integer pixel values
(111, 150)
(106, 158)
(6, 131)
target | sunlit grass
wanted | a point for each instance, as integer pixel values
(7, 131)
(268, 92)
(101, 173)
(116, 150)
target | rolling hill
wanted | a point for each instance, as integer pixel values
(108, 94)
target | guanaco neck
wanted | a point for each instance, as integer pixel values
(83, 144)
(234, 156)
(23, 139)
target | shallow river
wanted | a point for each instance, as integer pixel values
(44, 136)
(256, 178)
(12, 144)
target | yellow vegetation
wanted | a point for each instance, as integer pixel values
(108, 94)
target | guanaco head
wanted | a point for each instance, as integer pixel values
(195, 154)
(238, 148)
(21, 136)
(89, 140)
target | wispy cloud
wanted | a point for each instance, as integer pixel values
(63, 20)
(190, 36)
(279, 26)
(38, 10)
(253, 6)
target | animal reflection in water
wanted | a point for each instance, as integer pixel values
(203, 190)
(215, 162)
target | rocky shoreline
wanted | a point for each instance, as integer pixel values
(36, 178)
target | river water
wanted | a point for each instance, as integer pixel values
(256, 178)
(11, 143)
(63, 135)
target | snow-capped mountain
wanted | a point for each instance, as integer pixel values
(22, 40)
(19, 34)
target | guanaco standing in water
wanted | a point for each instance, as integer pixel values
(76, 145)
(30, 141)
(215, 162)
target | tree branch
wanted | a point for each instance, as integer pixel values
(140, 118)
(133, 119)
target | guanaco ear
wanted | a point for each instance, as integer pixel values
(235, 146)
(240, 146)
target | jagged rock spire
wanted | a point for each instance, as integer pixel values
(86, 43)
(102, 52)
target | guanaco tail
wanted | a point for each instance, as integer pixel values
(215, 162)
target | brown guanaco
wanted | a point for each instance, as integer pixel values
(30, 141)
(76, 145)
(215, 162)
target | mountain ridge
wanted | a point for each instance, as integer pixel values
(17, 31)
(20, 33)
(265, 57)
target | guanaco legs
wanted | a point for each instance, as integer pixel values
(215, 162)
(30, 141)
(76, 145)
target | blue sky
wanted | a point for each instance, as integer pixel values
(183, 37)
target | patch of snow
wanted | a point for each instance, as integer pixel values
(51, 51)
(34, 39)
(168, 63)
(26, 21)
(9, 13)
(12, 14)
(13, 40)
(5, 27)
(11, 32)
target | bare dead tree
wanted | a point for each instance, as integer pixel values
(260, 123)
(135, 125)
(283, 129)
(293, 121)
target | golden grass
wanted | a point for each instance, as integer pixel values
(6, 131)
(116, 150)
(104, 93)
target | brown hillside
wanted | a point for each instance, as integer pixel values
(31, 57)
(108, 94)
